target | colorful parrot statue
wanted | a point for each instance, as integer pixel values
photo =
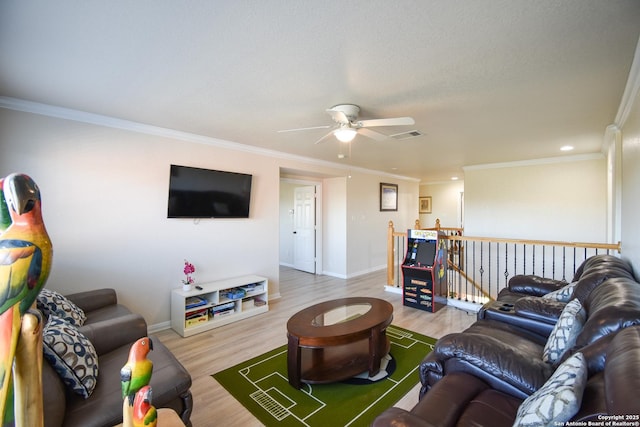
(5, 222)
(144, 413)
(5, 218)
(136, 373)
(26, 253)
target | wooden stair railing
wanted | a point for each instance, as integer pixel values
(479, 267)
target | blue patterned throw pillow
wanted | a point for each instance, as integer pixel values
(565, 332)
(71, 355)
(52, 303)
(558, 399)
(563, 294)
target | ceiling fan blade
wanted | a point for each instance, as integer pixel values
(398, 121)
(324, 137)
(298, 129)
(338, 116)
(372, 134)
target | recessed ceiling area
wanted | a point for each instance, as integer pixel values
(486, 82)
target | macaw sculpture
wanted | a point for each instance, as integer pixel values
(134, 375)
(5, 218)
(26, 253)
(8, 415)
(144, 413)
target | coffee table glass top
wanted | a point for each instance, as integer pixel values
(343, 313)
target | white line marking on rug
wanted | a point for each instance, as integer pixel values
(399, 334)
(264, 396)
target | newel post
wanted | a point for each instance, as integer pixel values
(390, 254)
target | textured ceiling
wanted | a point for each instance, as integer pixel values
(486, 81)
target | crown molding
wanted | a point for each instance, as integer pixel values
(630, 91)
(115, 123)
(443, 182)
(535, 162)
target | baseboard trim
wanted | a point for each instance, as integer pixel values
(464, 305)
(162, 326)
(393, 289)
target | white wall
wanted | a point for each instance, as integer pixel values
(547, 200)
(354, 228)
(105, 199)
(445, 203)
(631, 186)
(367, 225)
(334, 244)
(105, 207)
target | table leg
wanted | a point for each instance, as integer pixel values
(374, 351)
(294, 358)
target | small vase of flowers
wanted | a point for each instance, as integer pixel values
(189, 269)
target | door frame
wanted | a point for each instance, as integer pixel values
(319, 228)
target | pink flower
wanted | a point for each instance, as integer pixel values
(188, 270)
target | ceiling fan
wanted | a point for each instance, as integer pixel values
(348, 126)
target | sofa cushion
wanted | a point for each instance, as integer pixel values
(52, 303)
(563, 294)
(54, 396)
(71, 354)
(564, 333)
(169, 382)
(558, 399)
(534, 285)
(612, 306)
(498, 353)
(594, 277)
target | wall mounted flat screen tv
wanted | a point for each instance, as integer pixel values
(206, 193)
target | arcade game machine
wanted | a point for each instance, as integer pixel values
(424, 270)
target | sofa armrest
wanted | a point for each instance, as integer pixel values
(431, 371)
(533, 285)
(107, 335)
(396, 417)
(622, 376)
(543, 310)
(504, 365)
(94, 299)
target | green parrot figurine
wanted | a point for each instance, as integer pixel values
(144, 413)
(5, 218)
(136, 373)
(26, 253)
(5, 222)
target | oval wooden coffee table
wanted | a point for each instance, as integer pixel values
(337, 339)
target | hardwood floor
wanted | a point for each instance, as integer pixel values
(207, 353)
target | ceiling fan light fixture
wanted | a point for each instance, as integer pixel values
(345, 134)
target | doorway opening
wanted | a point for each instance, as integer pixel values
(301, 224)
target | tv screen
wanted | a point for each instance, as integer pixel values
(426, 253)
(206, 193)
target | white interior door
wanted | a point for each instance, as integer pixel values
(304, 229)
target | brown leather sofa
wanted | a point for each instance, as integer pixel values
(527, 301)
(523, 285)
(112, 328)
(461, 399)
(481, 376)
(510, 358)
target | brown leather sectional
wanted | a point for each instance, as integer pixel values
(482, 375)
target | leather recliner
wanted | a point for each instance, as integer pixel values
(522, 285)
(525, 301)
(461, 399)
(509, 358)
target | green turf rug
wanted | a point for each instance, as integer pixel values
(261, 385)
